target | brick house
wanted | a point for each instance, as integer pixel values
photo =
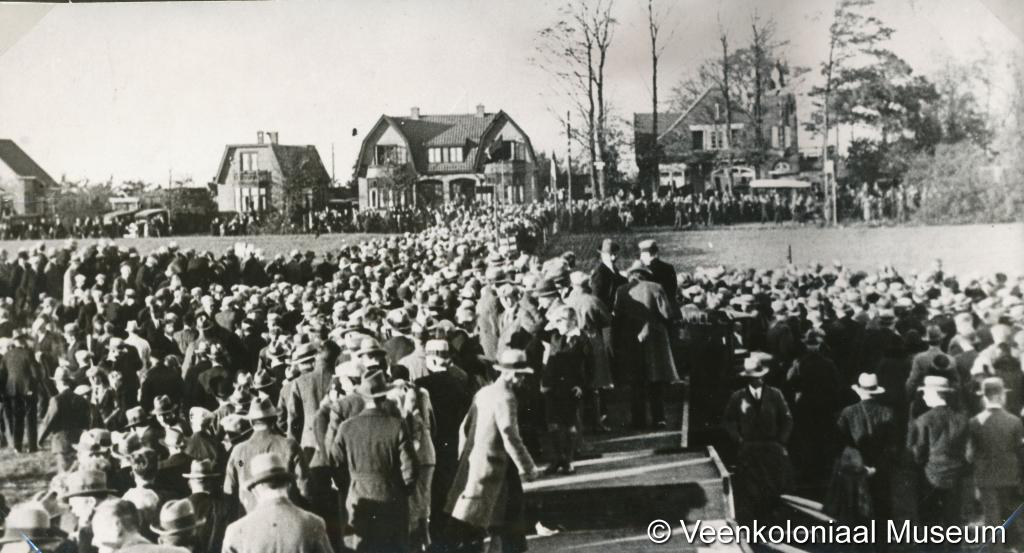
(24, 185)
(251, 178)
(430, 159)
(695, 144)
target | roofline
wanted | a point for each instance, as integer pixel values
(685, 113)
(384, 119)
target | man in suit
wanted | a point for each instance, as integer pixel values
(938, 441)
(996, 449)
(759, 422)
(274, 524)
(605, 279)
(375, 449)
(264, 439)
(23, 382)
(869, 426)
(117, 528)
(67, 416)
(662, 273)
(813, 382)
(210, 504)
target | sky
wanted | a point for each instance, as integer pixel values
(154, 91)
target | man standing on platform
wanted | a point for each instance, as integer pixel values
(759, 423)
(605, 279)
(663, 273)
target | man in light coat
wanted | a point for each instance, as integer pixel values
(275, 524)
(493, 463)
(595, 323)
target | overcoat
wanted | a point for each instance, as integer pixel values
(595, 323)
(277, 526)
(642, 312)
(489, 441)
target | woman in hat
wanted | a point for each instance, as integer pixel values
(860, 487)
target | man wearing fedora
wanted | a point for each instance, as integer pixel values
(813, 380)
(30, 522)
(86, 488)
(23, 382)
(210, 504)
(938, 441)
(179, 526)
(868, 428)
(67, 416)
(375, 452)
(641, 320)
(996, 451)
(117, 529)
(274, 524)
(487, 496)
(661, 272)
(605, 278)
(759, 422)
(265, 438)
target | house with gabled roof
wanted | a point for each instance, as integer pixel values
(430, 159)
(696, 148)
(24, 184)
(253, 178)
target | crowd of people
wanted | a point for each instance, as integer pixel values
(46, 228)
(394, 395)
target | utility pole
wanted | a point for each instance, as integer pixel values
(568, 157)
(333, 182)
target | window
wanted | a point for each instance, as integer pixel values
(385, 155)
(787, 137)
(249, 161)
(715, 139)
(734, 138)
(455, 155)
(373, 197)
(238, 199)
(697, 140)
(775, 136)
(434, 155)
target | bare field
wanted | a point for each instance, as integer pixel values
(963, 249)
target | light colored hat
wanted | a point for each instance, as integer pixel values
(513, 360)
(935, 383)
(754, 365)
(436, 346)
(267, 466)
(868, 383)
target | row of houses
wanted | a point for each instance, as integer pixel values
(413, 159)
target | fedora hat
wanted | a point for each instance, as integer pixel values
(545, 288)
(935, 383)
(934, 334)
(29, 521)
(374, 384)
(868, 383)
(639, 267)
(648, 246)
(162, 405)
(50, 502)
(202, 469)
(305, 353)
(176, 517)
(609, 246)
(261, 409)
(992, 386)
(369, 346)
(753, 365)
(263, 380)
(267, 466)
(87, 482)
(136, 416)
(513, 360)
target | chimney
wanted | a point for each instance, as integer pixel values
(480, 110)
(273, 136)
(414, 113)
(259, 137)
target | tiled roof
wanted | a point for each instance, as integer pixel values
(22, 165)
(290, 158)
(643, 123)
(444, 130)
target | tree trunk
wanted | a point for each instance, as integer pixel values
(727, 139)
(655, 151)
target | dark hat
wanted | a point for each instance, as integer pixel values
(136, 417)
(369, 346)
(934, 334)
(374, 385)
(941, 363)
(267, 466)
(263, 380)
(638, 267)
(176, 517)
(813, 338)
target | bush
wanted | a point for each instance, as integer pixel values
(958, 184)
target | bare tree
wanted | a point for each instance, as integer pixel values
(575, 50)
(654, 26)
(726, 68)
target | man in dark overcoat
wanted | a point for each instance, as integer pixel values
(996, 450)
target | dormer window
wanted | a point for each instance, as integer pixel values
(453, 154)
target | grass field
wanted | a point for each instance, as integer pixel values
(23, 474)
(963, 249)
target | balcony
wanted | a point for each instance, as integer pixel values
(254, 178)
